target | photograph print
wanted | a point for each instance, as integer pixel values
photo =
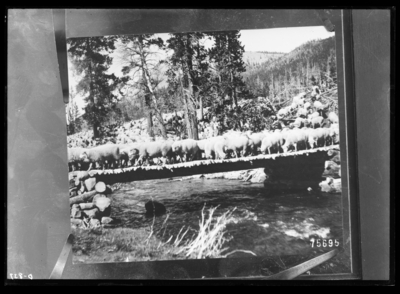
(221, 144)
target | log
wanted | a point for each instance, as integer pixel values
(72, 184)
(82, 198)
(97, 196)
(83, 188)
(73, 189)
(82, 175)
(76, 212)
(100, 187)
(102, 203)
(84, 206)
(76, 221)
(94, 222)
(90, 183)
(92, 213)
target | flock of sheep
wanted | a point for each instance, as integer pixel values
(313, 127)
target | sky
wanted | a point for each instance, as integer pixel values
(278, 40)
(272, 40)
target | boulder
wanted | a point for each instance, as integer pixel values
(106, 220)
(259, 176)
(90, 184)
(326, 185)
(73, 193)
(336, 186)
(154, 208)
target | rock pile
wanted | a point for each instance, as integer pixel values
(333, 182)
(90, 201)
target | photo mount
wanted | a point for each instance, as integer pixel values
(345, 76)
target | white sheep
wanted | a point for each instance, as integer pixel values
(74, 156)
(102, 154)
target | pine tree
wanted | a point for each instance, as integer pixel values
(73, 124)
(91, 60)
(188, 73)
(227, 55)
(141, 71)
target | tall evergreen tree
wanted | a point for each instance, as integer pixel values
(140, 69)
(188, 73)
(227, 56)
(91, 60)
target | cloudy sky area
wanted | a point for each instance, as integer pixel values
(272, 40)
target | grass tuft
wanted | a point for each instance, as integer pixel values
(209, 241)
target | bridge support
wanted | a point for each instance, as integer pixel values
(295, 173)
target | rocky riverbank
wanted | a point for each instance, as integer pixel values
(252, 176)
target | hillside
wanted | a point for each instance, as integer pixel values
(252, 59)
(313, 63)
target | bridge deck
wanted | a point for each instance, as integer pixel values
(306, 160)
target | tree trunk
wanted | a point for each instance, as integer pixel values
(96, 133)
(82, 198)
(162, 126)
(192, 113)
(201, 108)
(150, 90)
(150, 123)
(235, 97)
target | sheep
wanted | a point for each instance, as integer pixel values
(297, 138)
(187, 149)
(302, 112)
(150, 150)
(272, 142)
(124, 150)
(74, 156)
(316, 122)
(209, 147)
(312, 115)
(102, 154)
(238, 143)
(257, 140)
(319, 137)
(333, 117)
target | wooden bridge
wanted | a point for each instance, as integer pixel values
(303, 167)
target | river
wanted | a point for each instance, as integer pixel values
(267, 225)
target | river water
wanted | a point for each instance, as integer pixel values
(267, 225)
